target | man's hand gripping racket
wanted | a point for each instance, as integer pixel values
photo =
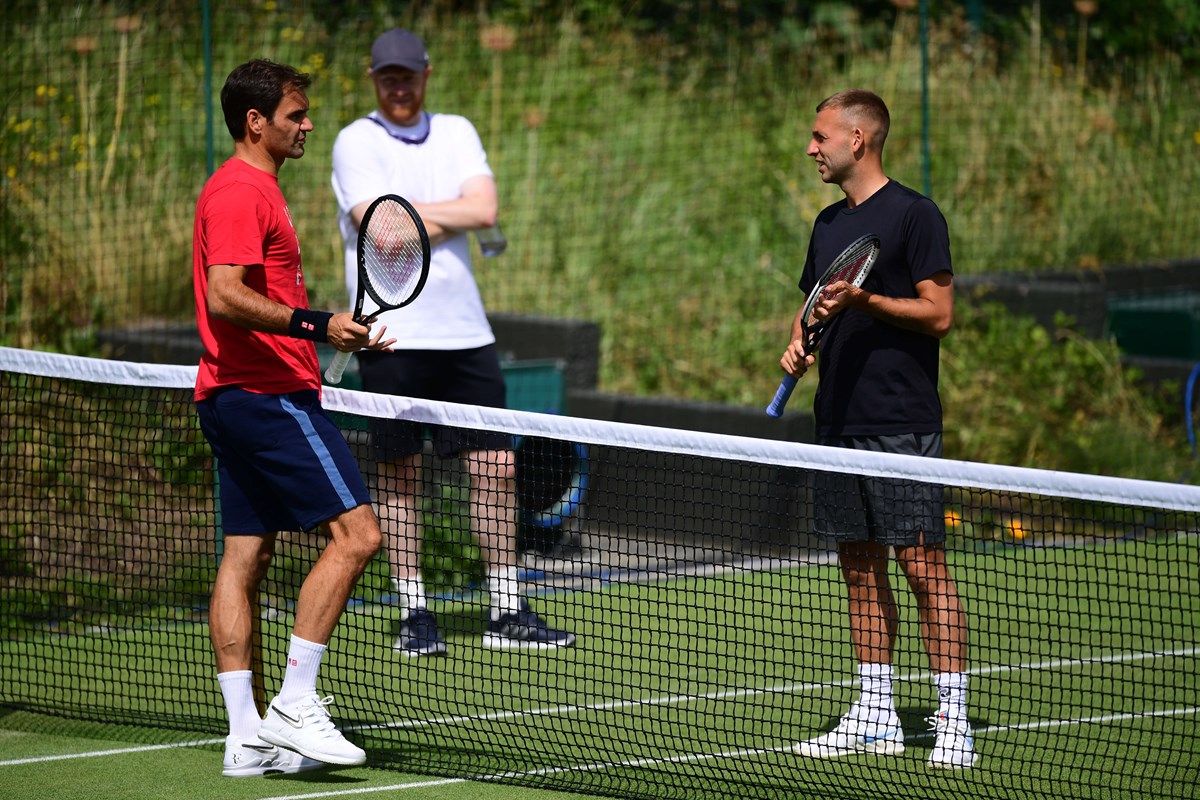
(851, 266)
(393, 263)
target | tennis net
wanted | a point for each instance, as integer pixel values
(712, 624)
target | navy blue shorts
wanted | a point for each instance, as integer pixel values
(472, 377)
(282, 463)
(889, 511)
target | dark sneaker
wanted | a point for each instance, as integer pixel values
(419, 635)
(524, 630)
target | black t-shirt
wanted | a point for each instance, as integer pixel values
(875, 378)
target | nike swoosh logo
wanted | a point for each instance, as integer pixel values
(295, 722)
(260, 748)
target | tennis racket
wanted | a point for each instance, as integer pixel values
(851, 266)
(393, 263)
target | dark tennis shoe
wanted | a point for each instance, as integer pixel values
(419, 635)
(524, 630)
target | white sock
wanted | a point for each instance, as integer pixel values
(876, 694)
(300, 675)
(504, 591)
(952, 693)
(410, 594)
(237, 688)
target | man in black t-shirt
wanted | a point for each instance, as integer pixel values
(877, 390)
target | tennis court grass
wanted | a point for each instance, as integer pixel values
(1082, 659)
(69, 760)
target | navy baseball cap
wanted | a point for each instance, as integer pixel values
(399, 48)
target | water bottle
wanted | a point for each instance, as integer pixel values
(491, 241)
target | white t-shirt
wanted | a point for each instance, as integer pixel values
(370, 160)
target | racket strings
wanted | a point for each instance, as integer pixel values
(852, 267)
(393, 254)
(856, 267)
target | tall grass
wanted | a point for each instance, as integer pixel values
(98, 174)
(657, 187)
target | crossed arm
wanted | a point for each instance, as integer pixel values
(474, 208)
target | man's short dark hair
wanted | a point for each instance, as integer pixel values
(258, 85)
(862, 103)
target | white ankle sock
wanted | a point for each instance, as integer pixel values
(504, 591)
(410, 594)
(237, 688)
(300, 675)
(952, 693)
(876, 694)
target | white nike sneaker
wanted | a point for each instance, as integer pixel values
(954, 747)
(252, 758)
(307, 729)
(854, 734)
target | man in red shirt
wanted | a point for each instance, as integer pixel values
(282, 463)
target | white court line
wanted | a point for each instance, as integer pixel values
(749, 753)
(796, 688)
(396, 787)
(799, 688)
(120, 752)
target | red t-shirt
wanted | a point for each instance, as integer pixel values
(243, 219)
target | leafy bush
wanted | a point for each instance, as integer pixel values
(1017, 393)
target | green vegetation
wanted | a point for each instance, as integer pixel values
(124, 471)
(1016, 393)
(652, 172)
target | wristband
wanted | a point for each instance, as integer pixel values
(309, 324)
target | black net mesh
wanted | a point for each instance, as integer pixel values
(711, 623)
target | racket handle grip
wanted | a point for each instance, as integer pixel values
(333, 375)
(781, 396)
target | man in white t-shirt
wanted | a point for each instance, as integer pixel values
(445, 349)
